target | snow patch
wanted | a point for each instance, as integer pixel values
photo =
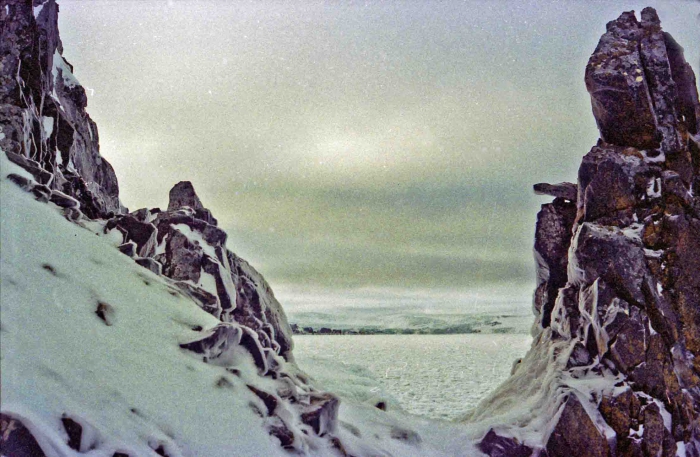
(66, 74)
(654, 188)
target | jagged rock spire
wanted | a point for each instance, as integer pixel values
(618, 298)
(183, 194)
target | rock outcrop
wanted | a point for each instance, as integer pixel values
(45, 128)
(48, 133)
(618, 299)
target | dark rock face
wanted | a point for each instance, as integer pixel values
(182, 194)
(576, 434)
(554, 223)
(16, 439)
(618, 297)
(498, 446)
(42, 111)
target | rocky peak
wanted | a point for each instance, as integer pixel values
(617, 304)
(183, 194)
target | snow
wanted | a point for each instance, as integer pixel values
(207, 282)
(47, 124)
(37, 10)
(129, 384)
(130, 381)
(195, 238)
(661, 157)
(59, 64)
(654, 188)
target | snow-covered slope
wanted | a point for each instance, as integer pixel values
(89, 335)
(129, 380)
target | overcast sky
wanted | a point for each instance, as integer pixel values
(347, 144)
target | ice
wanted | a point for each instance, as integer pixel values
(196, 238)
(59, 64)
(47, 125)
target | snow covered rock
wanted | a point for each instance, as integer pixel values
(42, 109)
(613, 370)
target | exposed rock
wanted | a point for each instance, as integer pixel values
(141, 233)
(74, 431)
(322, 415)
(269, 400)
(105, 311)
(616, 80)
(576, 434)
(495, 445)
(621, 412)
(552, 236)
(612, 181)
(128, 248)
(565, 190)
(149, 264)
(183, 194)
(217, 344)
(16, 440)
(45, 128)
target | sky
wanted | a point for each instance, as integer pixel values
(352, 144)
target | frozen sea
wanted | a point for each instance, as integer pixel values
(437, 376)
(434, 375)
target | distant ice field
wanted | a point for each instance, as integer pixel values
(437, 376)
(504, 308)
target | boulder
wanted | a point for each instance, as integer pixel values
(576, 433)
(566, 190)
(149, 264)
(322, 414)
(617, 84)
(16, 440)
(182, 194)
(217, 344)
(495, 445)
(133, 229)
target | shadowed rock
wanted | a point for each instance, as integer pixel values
(576, 434)
(183, 194)
(16, 440)
(565, 190)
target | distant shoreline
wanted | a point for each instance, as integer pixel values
(457, 330)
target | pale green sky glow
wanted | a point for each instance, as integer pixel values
(352, 143)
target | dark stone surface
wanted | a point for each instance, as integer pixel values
(322, 414)
(612, 181)
(141, 233)
(495, 445)
(576, 434)
(216, 342)
(183, 194)
(16, 440)
(149, 264)
(565, 190)
(74, 431)
(617, 83)
(270, 400)
(552, 236)
(31, 49)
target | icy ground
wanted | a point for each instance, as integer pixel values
(128, 383)
(438, 376)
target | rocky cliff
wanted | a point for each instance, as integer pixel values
(615, 366)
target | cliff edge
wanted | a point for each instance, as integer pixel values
(614, 369)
